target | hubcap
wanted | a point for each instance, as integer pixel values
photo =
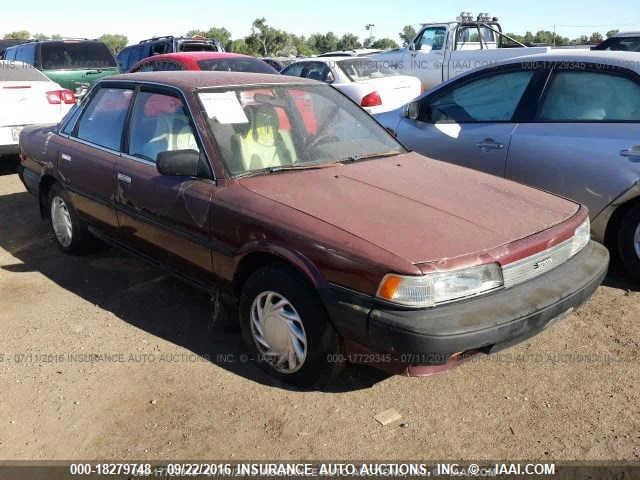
(278, 332)
(61, 221)
(636, 240)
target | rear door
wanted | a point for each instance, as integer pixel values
(584, 141)
(165, 217)
(470, 122)
(90, 145)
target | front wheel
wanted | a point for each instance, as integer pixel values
(629, 242)
(286, 328)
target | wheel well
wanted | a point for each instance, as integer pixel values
(610, 239)
(255, 261)
(45, 186)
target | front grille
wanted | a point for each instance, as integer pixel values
(535, 265)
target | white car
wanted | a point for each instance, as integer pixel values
(371, 85)
(27, 97)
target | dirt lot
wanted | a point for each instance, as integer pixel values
(169, 392)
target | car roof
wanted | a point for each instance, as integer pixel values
(627, 60)
(626, 34)
(191, 80)
(197, 56)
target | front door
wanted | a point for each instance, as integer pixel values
(471, 121)
(166, 217)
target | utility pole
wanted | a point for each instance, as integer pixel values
(369, 27)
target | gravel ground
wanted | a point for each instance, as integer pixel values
(170, 390)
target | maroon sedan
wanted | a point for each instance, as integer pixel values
(282, 193)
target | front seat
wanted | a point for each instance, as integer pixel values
(264, 144)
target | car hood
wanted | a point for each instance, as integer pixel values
(417, 208)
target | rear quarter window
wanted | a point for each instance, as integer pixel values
(75, 56)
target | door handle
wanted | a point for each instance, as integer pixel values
(65, 156)
(633, 152)
(124, 178)
(490, 144)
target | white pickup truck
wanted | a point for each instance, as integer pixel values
(443, 50)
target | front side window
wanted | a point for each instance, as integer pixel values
(103, 118)
(159, 123)
(433, 37)
(579, 96)
(493, 98)
(261, 128)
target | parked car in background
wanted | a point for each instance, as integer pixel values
(279, 63)
(6, 43)
(440, 51)
(283, 193)
(368, 83)
(73, 64)
(358, 52)
(564, 122)
(623, 42)
(27, 97)
(211, 61)
(132, 54)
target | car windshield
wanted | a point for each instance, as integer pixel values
(271, 128)
(364, 69)
(76, 55)
(236, 65)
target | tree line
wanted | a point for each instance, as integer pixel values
(265, 40)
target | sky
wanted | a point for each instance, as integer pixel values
(140, 19)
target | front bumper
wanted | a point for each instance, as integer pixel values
(487, 323)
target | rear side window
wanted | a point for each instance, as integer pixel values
(582, 96)
(103, 118)
(18, 72)
(493, 98)
(26, 53)
(75, 55)
(236, 65)
(159, 123)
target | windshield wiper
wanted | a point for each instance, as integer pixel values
(300, 166)
(357, 158)
(284, 168)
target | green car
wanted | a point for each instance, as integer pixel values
(73, 64)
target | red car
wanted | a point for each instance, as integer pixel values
(208, 61)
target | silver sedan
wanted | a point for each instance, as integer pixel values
(566, 122)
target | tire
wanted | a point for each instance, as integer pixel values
(71, 233)
(306, 319)
(629, 243)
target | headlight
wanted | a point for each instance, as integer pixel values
(435, 288)
(581, 237)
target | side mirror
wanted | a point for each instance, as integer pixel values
(180, 163)
(425, 48)
(412, 110)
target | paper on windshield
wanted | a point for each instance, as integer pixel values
(224, 107)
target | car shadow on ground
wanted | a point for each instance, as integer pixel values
(140, 295)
